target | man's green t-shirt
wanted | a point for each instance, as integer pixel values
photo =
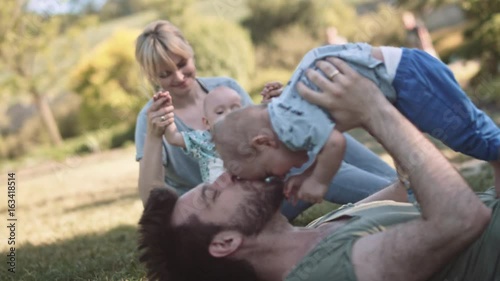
(331, 258)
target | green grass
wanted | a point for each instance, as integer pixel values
(77, 220)
(107, 256)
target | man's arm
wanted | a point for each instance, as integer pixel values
(452, 215)
(396, 192)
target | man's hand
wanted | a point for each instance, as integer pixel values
(349, 97)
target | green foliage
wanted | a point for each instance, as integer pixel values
(381, 27)
(486, 90)
(266, 75)
(482, 38)
(109, 83)
(267, 16)
(221, 47)
(483, 41)
(286, 47)
(322, 14)
(168, 9)
(419, 6)
(284, 31)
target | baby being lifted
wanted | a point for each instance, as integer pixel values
(257, 142)
(296, 141)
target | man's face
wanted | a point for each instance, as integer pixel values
(245, 206)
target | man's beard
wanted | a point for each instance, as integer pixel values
(259, 207)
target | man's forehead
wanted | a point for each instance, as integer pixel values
(187, 205)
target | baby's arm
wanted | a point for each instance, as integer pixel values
(327, 164)
(173, 136)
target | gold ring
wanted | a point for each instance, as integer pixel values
(163, 118)
(333, 74)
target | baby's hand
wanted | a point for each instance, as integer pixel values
(271, 90)
(312, 190)
(163, 94)
(166, 113)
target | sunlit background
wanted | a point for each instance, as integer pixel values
(71, 90)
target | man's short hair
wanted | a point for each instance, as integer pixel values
(181, 252)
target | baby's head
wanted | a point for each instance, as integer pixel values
(249, 147)
(218, 103)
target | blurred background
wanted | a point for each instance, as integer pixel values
(71, 90)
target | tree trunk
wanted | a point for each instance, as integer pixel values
(48, 118)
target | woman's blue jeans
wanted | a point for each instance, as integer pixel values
(361, 174)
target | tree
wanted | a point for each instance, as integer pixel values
(420, 6)
(109, 83)
(25, 37)
(483, 36)
(168, 9)
(221, 47)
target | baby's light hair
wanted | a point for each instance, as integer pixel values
(211, 92)
(233, 135)
(153, 45)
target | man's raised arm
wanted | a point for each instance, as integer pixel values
(452, 215)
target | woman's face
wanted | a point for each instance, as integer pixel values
(178, 81)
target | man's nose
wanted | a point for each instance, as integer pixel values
(223, 181)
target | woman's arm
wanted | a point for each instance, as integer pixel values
(452, 215)
(151, 171)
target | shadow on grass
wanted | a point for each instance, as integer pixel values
(108, 256)
(131, 196)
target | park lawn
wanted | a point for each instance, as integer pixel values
(77, 220)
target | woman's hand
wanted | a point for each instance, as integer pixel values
(351, 99)
(271, 90)
(160, 114)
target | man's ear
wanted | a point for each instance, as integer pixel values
(225, 243)
(205, 122)
(263, 140)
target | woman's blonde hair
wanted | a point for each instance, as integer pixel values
(153, 45)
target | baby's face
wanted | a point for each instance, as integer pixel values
(221, 104)
(261, 166)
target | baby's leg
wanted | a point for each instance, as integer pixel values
(430, 97)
